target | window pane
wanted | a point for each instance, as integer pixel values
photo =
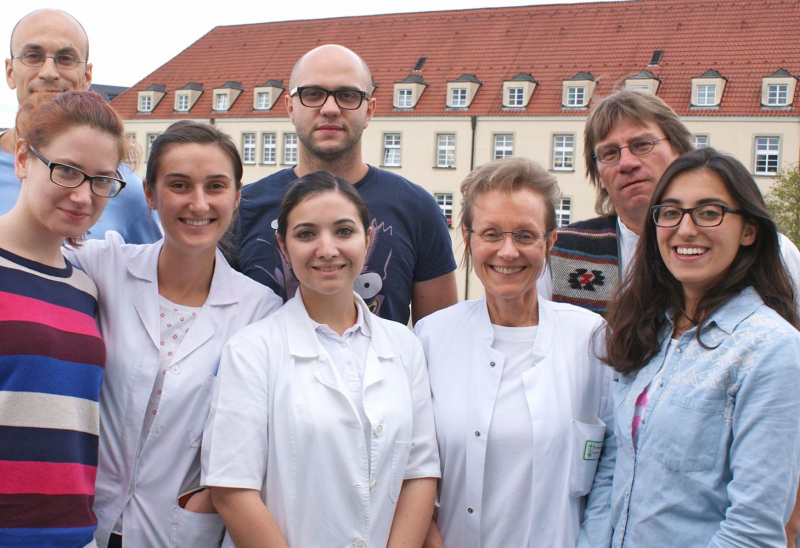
(503, 146)
(446, 150)
(575, 96)
(563, 152)
(515, 97)
(249, 148)
(563, 212)
(445, 202)
(391, 149)
(404, 98)
(263, 100)
(700, 141)
(459, 97)
(269, 148)
(767, 152)
(290, 148)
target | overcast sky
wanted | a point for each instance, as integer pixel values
(130, 39)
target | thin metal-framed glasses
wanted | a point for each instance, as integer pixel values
(36, 59)
(71, 177)
(640, 147)
(315, 97)
(706, 216)
(523, 238)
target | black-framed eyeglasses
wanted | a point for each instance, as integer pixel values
(72, 177)
(36, 59)
(640, 147)
(706, 216)
(315, 97)
(523, 238)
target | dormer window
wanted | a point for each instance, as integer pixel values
(461, 91)
(518, 90)
(221, 101)
(777, 90)
(458, 97)
(643, 81)
(706, 96)
(515, 96)
(266, 95)
(225, 95)
(577, 91)
(187, 96)
(183, 102)
(150, 97)
(576, 96)
(707, 89)
(405, 98)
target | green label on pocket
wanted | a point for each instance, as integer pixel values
(592, 449)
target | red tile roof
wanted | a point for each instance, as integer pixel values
(742, 39)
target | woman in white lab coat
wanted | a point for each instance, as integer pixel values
(166, 310)
(518, 394)
(321, 433)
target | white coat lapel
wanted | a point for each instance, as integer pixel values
(143, 269)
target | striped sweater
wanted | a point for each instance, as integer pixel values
(51, 367)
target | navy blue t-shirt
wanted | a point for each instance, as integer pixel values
(410, 240)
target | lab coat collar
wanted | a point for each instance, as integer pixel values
(543, 335)
(303, 341)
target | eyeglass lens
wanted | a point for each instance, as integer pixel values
(704, 216)
(348, 99)
(36, 59)
(637, 148)
(71, 177)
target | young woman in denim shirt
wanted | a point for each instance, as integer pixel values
(704, 342)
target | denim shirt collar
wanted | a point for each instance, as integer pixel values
(732, 313)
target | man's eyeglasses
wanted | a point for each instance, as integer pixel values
(35, 59)
(314, 97)
(668, 216)
(523, 238)
(640, 147)
(72, 177)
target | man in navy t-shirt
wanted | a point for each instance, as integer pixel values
(410, 259)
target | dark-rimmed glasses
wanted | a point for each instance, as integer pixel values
(35, 59)
(640, 147)
(706, 216)
(315, 97)
(523, 238)
(71, 177)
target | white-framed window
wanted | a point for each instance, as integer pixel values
(405, 98)
(183, 101)
(446, 150)
(290, 148)
(221, 102)
(263, 100)
(778, 95)
(151, 137)
(145, 103)
(576, 96)
(516, 97)
(706, 95)
(458, 97)
(503, 146)
(391, 149)
(563, 152)
(445, 201)
(249, 148)
(767, 154)
(563, 212)
(268, 156)
(700, 141)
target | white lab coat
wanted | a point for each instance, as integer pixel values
(281, 424)
(147, 487)
(567, 391)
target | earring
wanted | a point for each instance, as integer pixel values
(289, 265)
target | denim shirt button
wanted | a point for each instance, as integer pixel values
(677, 350)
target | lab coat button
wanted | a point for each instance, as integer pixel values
(343, 344)
(372, 485)
(157, 431)
(477, 434)
(469, 510)
(175, 369)
(378, 430)
(359, 544)
(491, 364)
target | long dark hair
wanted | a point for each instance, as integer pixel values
(637, 319)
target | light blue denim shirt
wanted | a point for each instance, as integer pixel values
(719, 442)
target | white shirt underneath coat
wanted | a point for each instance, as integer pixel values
(281, 424)
(567, 391)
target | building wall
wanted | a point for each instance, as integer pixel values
(532, 138)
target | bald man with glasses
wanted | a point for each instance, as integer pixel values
(49, 54)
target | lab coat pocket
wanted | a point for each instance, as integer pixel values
(200, 413)
(399, 461)
(194, 530)
(689, 433)
(587, 444)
